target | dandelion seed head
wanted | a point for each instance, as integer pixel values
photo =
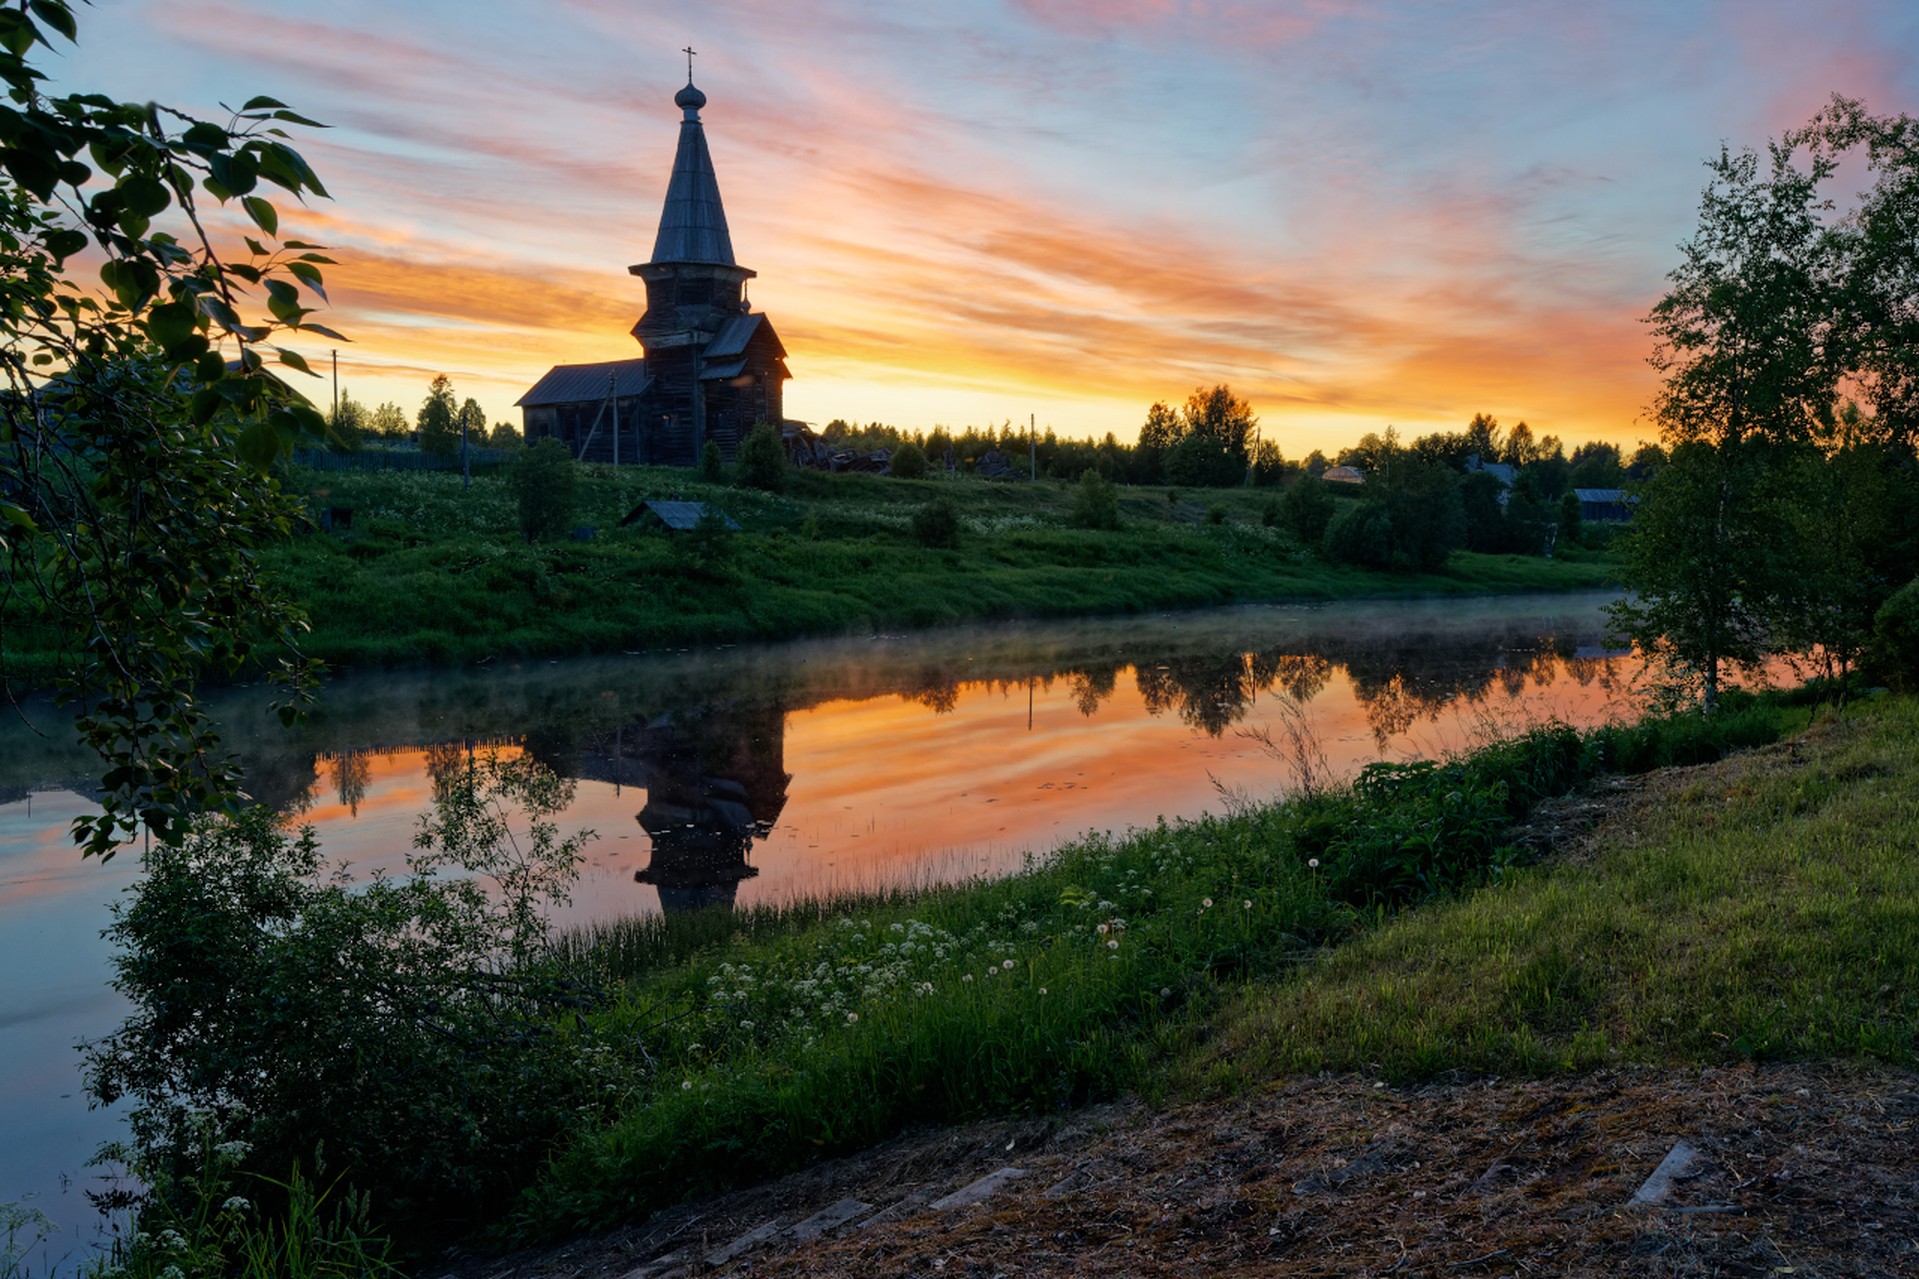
(1042, 990)
(686, 1085)
(966, 976)
(1312, 863)
(1206, 902)
(1113, 944)
(851, 1018)
(1007, 964)
(1104, 929)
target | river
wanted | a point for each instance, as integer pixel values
(760, 774)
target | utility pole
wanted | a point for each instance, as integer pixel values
(613, 394)
(336, 383)
(1032, 446)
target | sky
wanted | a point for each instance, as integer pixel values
(1356, 214)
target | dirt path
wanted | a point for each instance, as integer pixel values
(1799, 1170)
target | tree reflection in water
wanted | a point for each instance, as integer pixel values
(703, 735)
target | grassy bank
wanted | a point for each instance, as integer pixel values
(1766, 908)
(430, 572)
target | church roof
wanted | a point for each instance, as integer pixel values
(693, 223)
(735, 334)
(582, 383)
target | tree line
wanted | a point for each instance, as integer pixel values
(437, 425)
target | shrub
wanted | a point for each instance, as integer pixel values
(544, 482)
(1215, 514)
(405, 1024)
(1361, 534)
(1305, 509)
(937, 524)
(909, 461)
(763, 459)
(1095, 502)
(1894, 656)
(712, 469)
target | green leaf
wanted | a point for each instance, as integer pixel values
(211, 136)
(238, 173)
(263, 103)
(171, 324)
(262, 213)
(206, 402)
(17, 516)
(259, 445)
(324, 332)
(294, 360)
(294, 117)
(145, 196)
(66, 242)
(254, 247)
(309, 275)
(55, 14)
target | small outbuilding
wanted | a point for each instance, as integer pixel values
(1605, 506)
(678, 517)
(1344, 475)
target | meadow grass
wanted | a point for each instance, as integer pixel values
(436, 574)
(751, 1044)
(1768, 907)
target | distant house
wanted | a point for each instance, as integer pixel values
(1501, 471)
(1605, 506)
(1344, 475)
(710, 367)
(678, 517)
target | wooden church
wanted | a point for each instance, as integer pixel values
(710, 367)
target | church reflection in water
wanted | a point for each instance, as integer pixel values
(715, 781)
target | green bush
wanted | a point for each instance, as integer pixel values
(763, 459)
(1216, 514)
(1305, 508)
(1894, 656)
(545, 484)
(1360, 534)
(909, 461)
(712, 467)
(1095, 503)
(937, 524)
(407, 1025)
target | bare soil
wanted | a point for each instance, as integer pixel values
(1805, 1170)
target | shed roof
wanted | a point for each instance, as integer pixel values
(587, 383)
(1501, 471)
(678, 515)
(1601, 495)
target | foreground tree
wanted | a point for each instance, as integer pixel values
(139, 418)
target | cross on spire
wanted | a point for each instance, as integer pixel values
(688, 51)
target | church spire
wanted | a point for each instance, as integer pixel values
(693, 223)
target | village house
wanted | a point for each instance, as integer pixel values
(710, 366)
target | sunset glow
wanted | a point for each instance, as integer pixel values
(1357, 214)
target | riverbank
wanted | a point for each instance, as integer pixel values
(1717, 954)
(729, 1048)
(429, 572)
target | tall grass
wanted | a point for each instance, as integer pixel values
(1763, 909)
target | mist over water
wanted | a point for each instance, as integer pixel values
(761, 774)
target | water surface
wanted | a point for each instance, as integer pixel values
(760, 774)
